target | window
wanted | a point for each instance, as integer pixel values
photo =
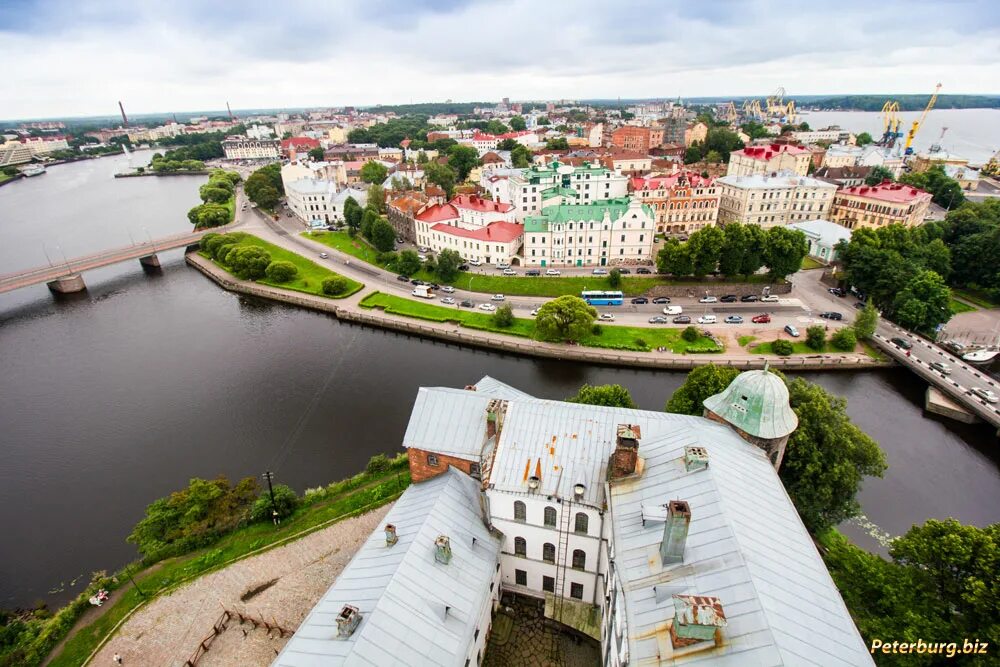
(549, 584)
(576, 591)
(581, 522)
(521, 579)
(432, 460)
(520, 547)
(550, 516)
(519, 511)
(579, 559)
(549, 552)
(474, 469)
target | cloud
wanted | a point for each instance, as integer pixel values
(66, 57)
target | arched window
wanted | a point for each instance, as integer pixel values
(550, 516)
(549, 553)
(519, 511)
(520, 547)
(579, 559)
(581, 522)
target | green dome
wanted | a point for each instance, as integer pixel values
(756, 402)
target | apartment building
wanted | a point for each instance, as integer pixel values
(769, 201)
(585, 183)
(244, 148)
(478, 229)
(842, 155)
(606, 233)
(320, 203)
(879, 205)
(638, 139)
(830, 135)
(682, 203)
(768, 159)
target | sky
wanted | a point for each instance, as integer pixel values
(79, 57)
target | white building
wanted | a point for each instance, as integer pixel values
(319, 203)
(769, 159)
(605, 233)
(244, 148)
(333, 170)
(842, 155)
(769, 201)
(823, 237)
(588, 183)
(260, 132)
(830, 135)
(881, 156)
(478, 229)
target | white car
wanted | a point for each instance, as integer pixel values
(985, 394)
(600, 272)
(534, 313)
(707, 319)
(424, 249)
(422, 257)
(770, 298)
(497, 297)
(448, 300)
(503, 265)
(509, 272)
(673, 310)
(448, 289)
(475, 262)
(488, 307)
(708, 299)
(607, 317)
(551, 272)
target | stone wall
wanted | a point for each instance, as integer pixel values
(693, 290)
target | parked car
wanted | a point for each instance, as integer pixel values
(639, 300)
(467, 303)
(707, 319)
(832, 315)
(323, 255)
(763, 318)
(682, 319)
(532, 272)
(673, 310)
(475, 262)
(791, 331)
(416, 281)
(770, 298)
(403, 279)
(488, 307)
(734, 319)
(658, 319)
(624, 272)
(497, 297)
(534, 311)
(729, 298)
(708, 299)
(503, 265)
(463, 267)
(749, 298)
(942, 368)
(422, 257)
(509, 272)
(607, 317)
(859, 304)
(424, 249)
(448, 289)
(985, 394)
(434, 285)
(448, 300)
(552, 272)
(643, 270)
(600, 272)
(836, 291)
(661, 299)
(902, 342)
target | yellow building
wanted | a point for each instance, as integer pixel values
(880, 205)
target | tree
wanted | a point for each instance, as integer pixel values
(782, 347)
(754, 130)
(722, 141)
(566, 318)
(335, 285)
(704, 246)
(373, 172)
(368, 218)
(353, 214)
(866, 321)
(507, 145)
(422, 158)
(517, 124)
(383, 235)
(408, 263)
(734, 247)
(826, 458)
(281, 272)
(753, 254)
(520, 157)
(816, 337)
(615, 279)
(690, 334)
(448, 262)
(398, 184)
(702, 382)
(264, 186)
(863, 139)
(316, 153)
(713, 157)
(844, 339)
(441, 175)
(877, 175)
(285, 502)
(214, 195)
(692, 154)
(376, 196)
(463, 159)
(504, 316)
(494, 126)
(609, 395)
(544, 121)
(208, 215)
(557, 144)
(924, 303)
(248, 262)
(674, 258)
(784, 249)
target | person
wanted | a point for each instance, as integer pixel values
(117, 659)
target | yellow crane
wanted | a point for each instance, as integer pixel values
(992, 168)
(890, 123)
(917, 123)
(727, 112)
(790, 115)
(751, 110)
(775, 103)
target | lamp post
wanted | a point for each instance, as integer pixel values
(128, 573)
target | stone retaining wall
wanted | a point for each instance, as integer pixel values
(694, 290)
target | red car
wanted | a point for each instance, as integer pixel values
(761, 319)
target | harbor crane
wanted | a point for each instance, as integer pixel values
(727, 112)
(908, 148)
(992, 168)
(751, 110)
(890, 124)
(776, 103)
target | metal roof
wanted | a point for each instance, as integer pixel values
(746, 545)
(497, 389)
(448, 421)
(756, 402)
(415, 610)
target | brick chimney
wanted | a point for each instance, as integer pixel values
(442, 549)
(675, 532)
(390, 535)
(695, 458)
(626, 454)
(348, 620)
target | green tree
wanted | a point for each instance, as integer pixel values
(335, 285)
(316, 153)
(690, 334)
(504, 316)
(702, 382)
(463, 159)
(753, 255)
(520, 157)
(713, 157)
(214, 195)
(285, 502)
(816, 337)
(353, 214)
(441, 175)
(422, 158)
(566, 318)
(674, 258)
(877, 175)
(383, 235)
(373, 172)
(408, 263)
(866, 321)
(266, 196)
(507, 145)
(609, 395)
(844, 339)
(494, 126)
(734, 247)
(826, 458)
(615, 278)
(924, 303)
(722, 141)
(448, 262)
(784, 249)
(692, 154)
(544, 121)
(782, 347)
(557, 144)
(705, 245)
(517, 124)
(281, 272)
(863, 139)
(376, 196)
(754, 130)
(249, 262)
(368, 217)
(209, 215)
(264, 186)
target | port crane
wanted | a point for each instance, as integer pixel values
(992, 168)
(908, 148)
(751, 110)
(890, 124)
(727, 112)
(776, 104)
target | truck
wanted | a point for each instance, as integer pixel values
(423, 291)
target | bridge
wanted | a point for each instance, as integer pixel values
(66, 277)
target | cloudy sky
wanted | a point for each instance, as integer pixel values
(78, 57)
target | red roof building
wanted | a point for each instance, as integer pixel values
(769, 159)
(298, 145)
(477, 228)
(878, 205)
(682, 202)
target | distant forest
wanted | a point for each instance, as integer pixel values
(906, 102)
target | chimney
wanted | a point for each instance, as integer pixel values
(698, 620)
(675, 532)
(695, 458)
(390, 535)
(442, 549)
(348, 620)
(626, 454)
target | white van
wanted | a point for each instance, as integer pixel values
(673, 310)
(422, 291)
(707, 319)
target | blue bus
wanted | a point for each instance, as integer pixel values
(602, 297)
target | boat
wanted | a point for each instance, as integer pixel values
(34, 170)
(983, 355)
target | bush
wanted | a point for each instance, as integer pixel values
(844, 340)
(281, 272)
(285, 502)
(203, 243)
(690, 334)
(335, 285)
(378, 464)
(213, 195)
(615, 279)
(504, 317)
(641, 342)
(596, 329)
(248, 262)
(816, 337)
(782, 348)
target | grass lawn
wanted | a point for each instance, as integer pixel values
(960, 307)
(977, 297)
(810, 263)
(615, 337)
(511, 285)
(873, 352)
(746, 340)
(379, 490)
(310, 277)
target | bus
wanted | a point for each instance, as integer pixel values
(602, 297)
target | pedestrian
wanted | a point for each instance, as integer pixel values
(117, 659)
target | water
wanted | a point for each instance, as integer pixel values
(119, 396)
(972, 133)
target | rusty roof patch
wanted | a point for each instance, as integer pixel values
(699, 610)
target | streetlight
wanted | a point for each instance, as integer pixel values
(128, 573)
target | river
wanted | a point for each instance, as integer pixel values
(118, 396)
